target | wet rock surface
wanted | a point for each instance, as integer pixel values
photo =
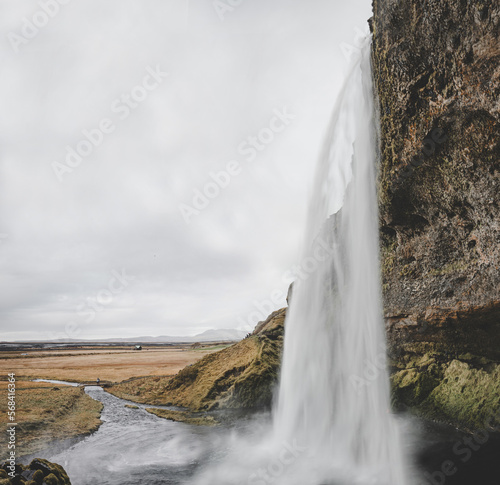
(437, 74)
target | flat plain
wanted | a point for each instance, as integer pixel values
(109, 364)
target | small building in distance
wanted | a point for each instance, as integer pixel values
(138, 347)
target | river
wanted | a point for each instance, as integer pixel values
(134, 447)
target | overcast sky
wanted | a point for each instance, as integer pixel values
(114, 114)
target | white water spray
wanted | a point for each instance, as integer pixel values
(332, 424)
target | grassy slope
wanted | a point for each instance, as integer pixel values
(240, 376)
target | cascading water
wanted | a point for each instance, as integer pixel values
(332, 423)
(334, 391)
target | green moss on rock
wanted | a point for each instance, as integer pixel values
(51, 479)
(414, 383)
(38, 476)
(38, 472)
(466, 395)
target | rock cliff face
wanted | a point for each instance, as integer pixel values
(437, 74)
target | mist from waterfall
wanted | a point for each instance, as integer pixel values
(332, 422)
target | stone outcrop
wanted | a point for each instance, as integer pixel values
(38, 472)
(437, 75)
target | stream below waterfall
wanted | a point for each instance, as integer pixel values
(134, 447)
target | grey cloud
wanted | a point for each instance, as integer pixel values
(120, 207)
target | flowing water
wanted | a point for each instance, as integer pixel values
(134, 447)
(332, 423)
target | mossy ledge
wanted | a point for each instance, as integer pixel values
(198, 419)
(463, 392)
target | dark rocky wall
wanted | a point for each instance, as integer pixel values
(437, 75)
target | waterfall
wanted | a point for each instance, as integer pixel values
(332, 423)
(334, 392)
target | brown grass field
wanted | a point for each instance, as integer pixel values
(110, 364)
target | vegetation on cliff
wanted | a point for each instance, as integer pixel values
(463, 392)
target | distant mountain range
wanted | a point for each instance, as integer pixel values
(207, 336)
